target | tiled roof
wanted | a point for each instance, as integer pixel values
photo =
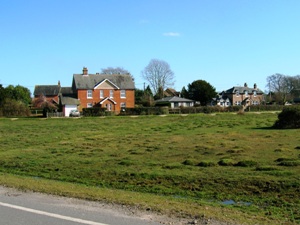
(241, 89)
(69, 101)
(47, 90)
(66, 90)
(123, 81)
(174, 99)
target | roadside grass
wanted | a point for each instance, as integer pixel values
(185, 166)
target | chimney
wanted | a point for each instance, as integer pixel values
(85, 71)
(255, 86)
(245, 85)
(58, 83)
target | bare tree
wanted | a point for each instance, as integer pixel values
(282, 86)
(114, 70)
(159, 75)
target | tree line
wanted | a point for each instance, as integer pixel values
(14, 100)
(283, 88)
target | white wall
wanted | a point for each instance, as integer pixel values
(68, 109)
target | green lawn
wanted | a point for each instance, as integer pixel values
(184, 165)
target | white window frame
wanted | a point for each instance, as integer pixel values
(123, 104)
(111, 93)
(89, 93)
(123, 93)
(101, 94)
(246, 93)
(237, 93)
(254, 93)
(89, 105)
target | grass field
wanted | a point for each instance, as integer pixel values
(228, 166)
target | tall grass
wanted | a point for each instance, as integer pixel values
(210, 158)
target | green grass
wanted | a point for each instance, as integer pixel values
(169, 162)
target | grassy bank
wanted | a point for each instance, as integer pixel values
(185, 165)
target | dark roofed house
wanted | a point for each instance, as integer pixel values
(110, 91)
(171, 92)
(238, 94)
(50, 92)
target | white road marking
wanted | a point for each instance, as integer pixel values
(51, 214)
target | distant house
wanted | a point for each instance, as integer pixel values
(110, 91)
(177, 101)
(222, 101)
(238, 94)
(50, 92)
(171, 92)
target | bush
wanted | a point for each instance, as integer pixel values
(145, 111)
(14, 108)
(95, 112)
(289, 118)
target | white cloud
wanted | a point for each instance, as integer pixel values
(172, 34)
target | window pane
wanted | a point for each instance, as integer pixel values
(89, 94)
(123, 94)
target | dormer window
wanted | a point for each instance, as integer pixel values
(237, 93)
(254, 93)
(246, 93)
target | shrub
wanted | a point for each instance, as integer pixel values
(13, 107)
(145, 111)
(95, 112)
(289, 118)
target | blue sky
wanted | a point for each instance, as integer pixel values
(225, 42)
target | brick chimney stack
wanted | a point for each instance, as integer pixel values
(255, 86)
(85, 71)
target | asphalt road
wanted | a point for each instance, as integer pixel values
(27, 208)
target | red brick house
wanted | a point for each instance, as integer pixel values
(110, 91)
(238, 94)
(50, 92)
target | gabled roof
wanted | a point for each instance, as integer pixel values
(106, 80)
(174, 99)
(123, 81)
(171, 92)
(107, 99)
(47, 90)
